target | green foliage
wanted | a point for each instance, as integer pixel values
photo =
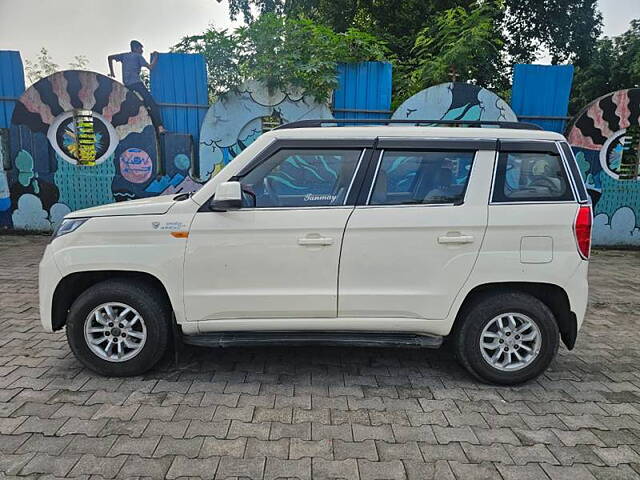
(614, 64)
(281, 52)
(461, 43)
(79, 62)
(567, 29)
(220, 50)
(428, 37)
(43, 65)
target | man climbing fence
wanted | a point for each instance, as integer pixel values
(132, 63)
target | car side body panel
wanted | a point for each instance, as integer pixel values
(125, 243)
(410, 261)
(518, 242)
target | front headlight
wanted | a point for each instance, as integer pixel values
(68, 225)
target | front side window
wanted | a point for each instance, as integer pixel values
(531, 177)
(301, 178)
(415, 177)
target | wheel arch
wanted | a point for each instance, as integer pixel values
(553, 296)
(74, 284)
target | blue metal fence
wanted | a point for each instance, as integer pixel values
(11, 84)
(364, 90)
(179, 85)
(540, 94)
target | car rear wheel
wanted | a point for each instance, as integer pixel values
(118, 327)
(507, 338)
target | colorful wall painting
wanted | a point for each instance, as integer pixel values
(135, 165)
(77, 139)
(238, 118)
(455, 101)
(605, 137)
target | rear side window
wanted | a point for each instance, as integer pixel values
(415, 177)
(575, 171)
(531, 177)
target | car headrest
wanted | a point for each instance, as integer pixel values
(444, 177)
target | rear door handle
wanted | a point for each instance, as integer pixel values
(459, 239)
(314, 241)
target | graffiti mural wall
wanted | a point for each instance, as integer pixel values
(237, 119)
(80, 139)
(605, 138)
(77, 139)
(455, 101)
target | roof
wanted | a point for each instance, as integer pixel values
(370, 132)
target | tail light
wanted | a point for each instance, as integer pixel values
(582, 230)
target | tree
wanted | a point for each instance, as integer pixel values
(220, 51)
(281, 52)
(396, 22)
(565, 28)
(614, 64)
(79, 62)
(460, 43)
(43, 66)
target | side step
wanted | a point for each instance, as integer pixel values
(350, 339)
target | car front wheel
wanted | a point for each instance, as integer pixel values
(118, 328)
(507, 338)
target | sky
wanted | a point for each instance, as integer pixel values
(97, 28)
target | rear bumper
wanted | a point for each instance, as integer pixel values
(48, 278)
(577, 288)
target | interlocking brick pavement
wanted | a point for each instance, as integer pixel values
(314, 413)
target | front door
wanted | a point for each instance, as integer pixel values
(276, 257)
(410, 247)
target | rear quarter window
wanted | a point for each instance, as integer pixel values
(575, 171)
(531, 177)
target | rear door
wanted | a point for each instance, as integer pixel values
(412, 240)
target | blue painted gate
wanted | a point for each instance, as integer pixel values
(542, 91)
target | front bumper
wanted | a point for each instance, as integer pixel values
(48, 278)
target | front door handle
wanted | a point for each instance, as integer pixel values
(315, 241)
(457, 239)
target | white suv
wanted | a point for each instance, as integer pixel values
(357, 235)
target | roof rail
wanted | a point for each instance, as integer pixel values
(428, 123)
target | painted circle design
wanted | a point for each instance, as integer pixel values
(136, 165)
(63, 136)
(607, 133)
(619, 151)
(237, 119)
(182, 161)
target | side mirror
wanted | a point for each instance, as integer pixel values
(228, 196)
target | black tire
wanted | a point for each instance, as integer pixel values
(148, 303)
(466, 341)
